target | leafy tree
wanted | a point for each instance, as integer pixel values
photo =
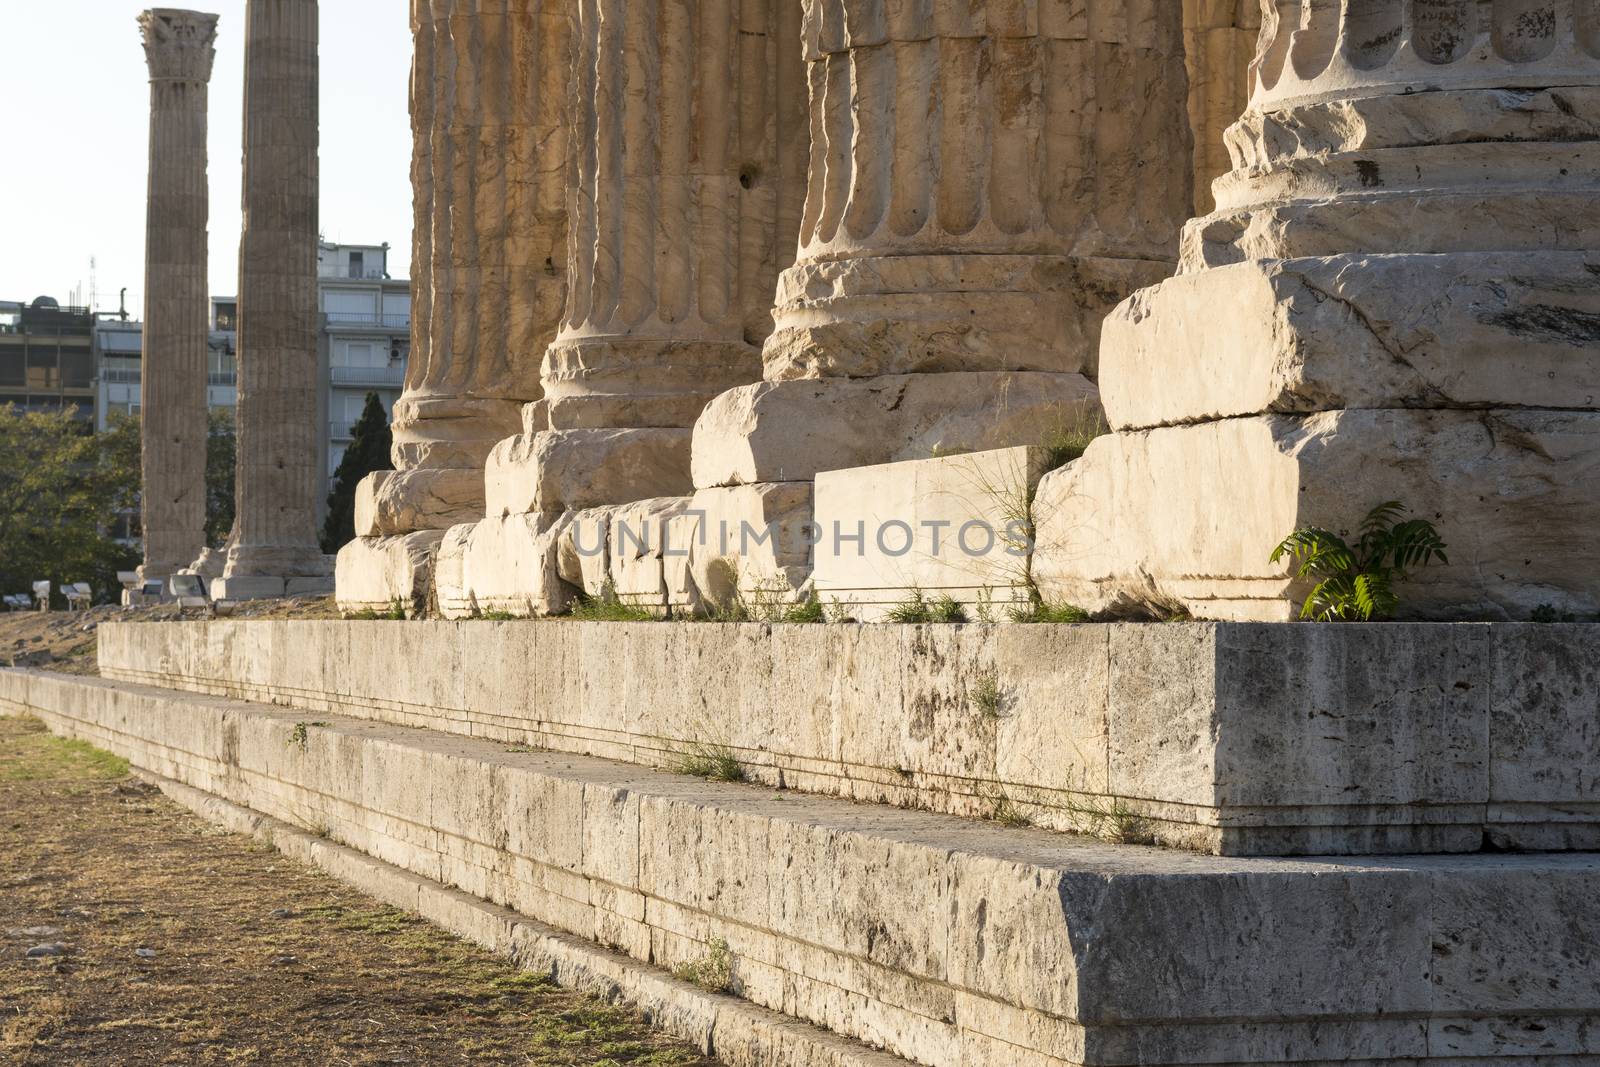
(1357, 583)
(61, 489)
(121, 446)
(368, 451)
(221, 455)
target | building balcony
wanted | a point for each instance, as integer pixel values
(363, 320)
(393, 376)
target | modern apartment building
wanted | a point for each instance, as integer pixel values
(47, 359)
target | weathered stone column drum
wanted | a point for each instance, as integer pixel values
(1397, 298)
(986, 182)
(488, 168)
(278, 479)
(179, 47)
(490, 118)
(688, 182)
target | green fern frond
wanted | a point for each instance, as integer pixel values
(1415, 544)
(1358, 585)
(1316, 551)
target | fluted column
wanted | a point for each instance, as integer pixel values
(278, 478)
(986, 181)
(490, 120)
(1396, 298)
(179, 48)
(1219, 38)
(488, 92)
(688, 183)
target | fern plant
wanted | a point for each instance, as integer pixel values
(1356, 583)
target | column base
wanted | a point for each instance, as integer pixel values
(445, 432)
(908, 314)
(640, 383)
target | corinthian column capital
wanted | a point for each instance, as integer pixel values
(179, 45)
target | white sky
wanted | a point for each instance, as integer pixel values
(74, 91)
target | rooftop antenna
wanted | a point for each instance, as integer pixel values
(94, 288)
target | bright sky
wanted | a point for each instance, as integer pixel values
(75, 92)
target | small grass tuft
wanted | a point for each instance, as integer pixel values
(987, 695)
(712, 972)
(1040, 612)
(1111, 821)
(497, 616)
(1007, 814)
(302, 732)
(917, 608)
(715, 763)
(1066, 440)
(608, 607)
(808, 610)
(396, 612)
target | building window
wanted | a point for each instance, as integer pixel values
(358, 265)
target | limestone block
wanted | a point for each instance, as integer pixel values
(373, 573)
(750, 540)
(568, 470)
(956, 526)
(641, 545)
(507, 564)
(583, 551)
(869, 317)
(1357, 331)
(1145, 516)
(449, 581)
(390, 503)
(788, 431)
(1238, 739)
(263, 587)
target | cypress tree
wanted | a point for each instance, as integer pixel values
(368, 451)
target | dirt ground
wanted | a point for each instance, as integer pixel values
(158, 939)
(64, 641)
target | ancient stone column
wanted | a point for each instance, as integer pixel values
(1219, 42)
(687, 181)
(278, 479)
(179, 47)
(986, 181)
(1397, 298)
(489, 120)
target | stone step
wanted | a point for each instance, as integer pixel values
(1223, 738)
(948, 942)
